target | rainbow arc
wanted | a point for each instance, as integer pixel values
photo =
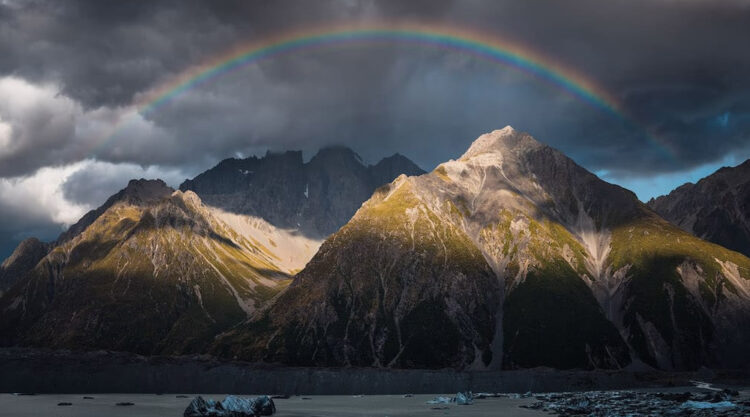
(490, 48)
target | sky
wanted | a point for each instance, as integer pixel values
(73, 74)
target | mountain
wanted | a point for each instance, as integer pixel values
(512, 256)
(717, 208)
(151, 271)
(158, 271)
(22, 260)
(317, 197)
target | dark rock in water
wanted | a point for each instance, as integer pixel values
(64, 404)
(730, 392)
(88, 398)
(125, 404)
(538, 405)
(231, 407)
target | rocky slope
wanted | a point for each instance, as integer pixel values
(716, 208)
(151, 271)
(511, 256)
(316, 198)
(22, 260)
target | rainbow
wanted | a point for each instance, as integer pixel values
(490, 48)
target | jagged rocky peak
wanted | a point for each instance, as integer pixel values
(143, 191)
(27, 246)
(315, 198)
(391, 167)
(336, 154)
(189, 197)
(510, 168)
(716, 208)
(499, 141)
(137, 192)
(395, 160)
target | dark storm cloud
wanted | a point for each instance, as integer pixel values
(92, 185)
(70, 70)
(678, 68)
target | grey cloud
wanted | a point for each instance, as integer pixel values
(97, 181)
(44, 203)
(679, 69)
(37, 127)
(104, 54)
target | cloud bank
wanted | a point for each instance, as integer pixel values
(72, 71)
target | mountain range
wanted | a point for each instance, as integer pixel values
(154, 270)
(316, 198)
(512, 256)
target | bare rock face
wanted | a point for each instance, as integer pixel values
(22, 260)
(512, 256)
(716, 208)
(316, 198)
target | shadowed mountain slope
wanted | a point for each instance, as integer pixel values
(21, 261)
(716, 208)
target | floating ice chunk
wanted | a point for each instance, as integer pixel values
(707, 405)
(231, 407)
(440, 400)
(464, 398)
